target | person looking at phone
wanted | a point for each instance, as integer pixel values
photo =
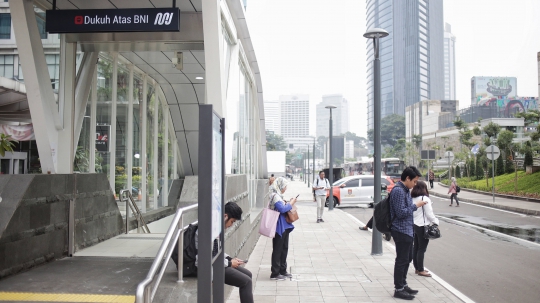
(401, 214)
(320, 186)
(280, 243)
(234, 274)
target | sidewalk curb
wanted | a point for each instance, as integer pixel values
(497, 195)
(494, 205)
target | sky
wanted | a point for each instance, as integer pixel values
(316, 47)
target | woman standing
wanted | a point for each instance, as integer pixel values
(422, 219)
(280, 243)
(453, 191)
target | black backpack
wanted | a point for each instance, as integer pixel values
(381, 214)
(190, 252)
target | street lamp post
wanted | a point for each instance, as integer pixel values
(313, 171)
(375, 34)
(330, 160)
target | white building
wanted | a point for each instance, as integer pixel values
(429, 116)
(340, 115)
(294, 116)
(349, 149)
(449, 63)
(272, 116)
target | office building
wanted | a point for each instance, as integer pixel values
(340, 115)
(428, 116)
(294, 116)
(411, 56)
(449, 63)
(272, 116)
(349, 149)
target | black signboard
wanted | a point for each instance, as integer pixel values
(113, 20)
(102, 138)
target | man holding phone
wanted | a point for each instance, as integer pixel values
(320, 186)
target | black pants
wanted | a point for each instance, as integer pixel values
(241, 278)
(280, 249)
(452, 196)
(370, 223)
(419, 248)
(404, 244)
(431, 183)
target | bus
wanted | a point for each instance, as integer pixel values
(391, 167)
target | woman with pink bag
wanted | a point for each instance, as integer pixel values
(280, 243)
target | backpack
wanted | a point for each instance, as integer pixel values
(458, 189)
(381, 214)
(189, 252)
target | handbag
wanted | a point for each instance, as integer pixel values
(432, 231)
(269, 220)
(292, 215)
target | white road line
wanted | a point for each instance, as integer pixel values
(444, 284)
(487, 230)
(498, 209)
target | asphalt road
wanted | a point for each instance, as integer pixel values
(482, 265)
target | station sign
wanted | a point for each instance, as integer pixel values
(113, 20)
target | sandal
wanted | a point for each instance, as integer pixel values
(363, 228)
(424, 274)
(417, 271)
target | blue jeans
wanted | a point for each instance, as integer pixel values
(404, 245)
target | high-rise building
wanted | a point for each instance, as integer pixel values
(340, 115)
(411, 56)
(294, 116)
(449, 63)
(272, 116)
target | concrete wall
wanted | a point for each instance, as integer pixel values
(34, 217)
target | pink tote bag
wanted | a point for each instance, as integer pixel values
(269, 221)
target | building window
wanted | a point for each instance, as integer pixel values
(40, 18)
(5, 26)
(6, 66)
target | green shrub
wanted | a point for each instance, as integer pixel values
(499, 166)
(458, 171)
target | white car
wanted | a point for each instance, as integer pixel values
(355, 190)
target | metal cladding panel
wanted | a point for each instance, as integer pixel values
(184, 153)
(176, 117)
(176, 79)
(190, 116)
(185, 93)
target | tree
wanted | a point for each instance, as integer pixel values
(396, 151)
(527, 150)
(505, 141)
(492, 129)
(458, 171)
(392, 129)
(353, 137)
(499, 166)
(275, 142)
(6, 144)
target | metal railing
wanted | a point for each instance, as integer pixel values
(146, 290)
(125, 196)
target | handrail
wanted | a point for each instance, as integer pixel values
(146, 290)
(125, 195)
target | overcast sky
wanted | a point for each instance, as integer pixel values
(316, 47)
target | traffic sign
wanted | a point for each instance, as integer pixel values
(449, 156)
(493, 152)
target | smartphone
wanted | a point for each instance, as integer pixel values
(297, 197)
(245, 261)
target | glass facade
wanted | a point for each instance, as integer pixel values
(5, 26)
(140, 117)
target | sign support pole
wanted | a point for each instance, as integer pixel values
(492, 172)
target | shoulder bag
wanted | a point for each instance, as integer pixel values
(292, 215)
(269, 220)
(432, 231)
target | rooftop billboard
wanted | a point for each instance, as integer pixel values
(485, 88)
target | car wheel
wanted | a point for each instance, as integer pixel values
(335, 202)
(370, 205)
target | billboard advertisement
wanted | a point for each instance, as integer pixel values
(484, 88)
(509, 106)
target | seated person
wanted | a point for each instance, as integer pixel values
(234, 274)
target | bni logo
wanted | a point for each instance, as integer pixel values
(79, 19)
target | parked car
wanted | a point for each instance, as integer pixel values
(357, 190)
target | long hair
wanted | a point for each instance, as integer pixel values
(420, 189)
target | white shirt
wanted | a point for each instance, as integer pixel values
(428, 211)
(318, 182)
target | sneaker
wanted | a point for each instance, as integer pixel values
(287, 275)
(318, 220)
(278, 278)
(387, 236)
(402, 294)
(410, 290)
(322, 220)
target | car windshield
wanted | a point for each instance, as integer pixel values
(341, 181)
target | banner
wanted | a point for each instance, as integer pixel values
(19, 132)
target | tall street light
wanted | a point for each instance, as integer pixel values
(375, 34)
(330, 160)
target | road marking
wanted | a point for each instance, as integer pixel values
(486, 230)
(488, 207)
(52, 297)
(445, 284)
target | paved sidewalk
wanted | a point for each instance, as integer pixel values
(525, 207)
(331, 262)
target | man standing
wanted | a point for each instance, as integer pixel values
(431, 178)
(320, 186)
(401, 212)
